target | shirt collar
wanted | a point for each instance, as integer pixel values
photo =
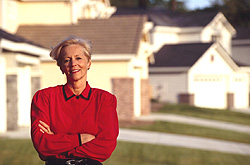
(68, 94)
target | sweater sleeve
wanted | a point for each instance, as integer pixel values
(104, 144)
(45, 144)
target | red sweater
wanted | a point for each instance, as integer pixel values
(92, 112)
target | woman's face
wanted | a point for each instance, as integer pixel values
(74, 63)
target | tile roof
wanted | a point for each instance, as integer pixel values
(169, 18)
(179, 55)
(15, 38)
(116, 35)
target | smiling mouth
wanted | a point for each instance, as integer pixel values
(74, 71)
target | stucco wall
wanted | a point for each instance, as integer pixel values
(44, 13)
(101, 73)
(12, 102)
(51, 74)
(3, 99)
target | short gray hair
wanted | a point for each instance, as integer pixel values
(56, 51)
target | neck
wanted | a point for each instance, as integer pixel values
(77, 87)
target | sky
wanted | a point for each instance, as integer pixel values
(197, 4)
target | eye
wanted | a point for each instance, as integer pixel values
(78, 58)
(66, 60)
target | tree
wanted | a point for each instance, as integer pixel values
(174, 5)
(237, 12)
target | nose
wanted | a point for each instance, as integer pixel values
(73, 62)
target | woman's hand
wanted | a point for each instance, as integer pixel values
(86, 137)
(44, 128)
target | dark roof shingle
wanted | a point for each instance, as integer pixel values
(15, 38)
(180, 55)
(169, 18)
(116, 35)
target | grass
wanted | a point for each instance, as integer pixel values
(19, 152)
(214, 114)
(193, 130)
(145, 154)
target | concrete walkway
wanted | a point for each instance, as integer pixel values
(183, 141)
(171, 139)
(197, 121)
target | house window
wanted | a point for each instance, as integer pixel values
(215, 38)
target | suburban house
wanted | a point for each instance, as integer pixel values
(47, 12)
(194, 59)
(121, 52)
(200, 74)
(194, 64)
(19, 79)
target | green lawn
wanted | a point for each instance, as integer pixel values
(20, 152)
(215, 114)
(193, 130)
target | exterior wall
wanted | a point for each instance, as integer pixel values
(8, 15)
(58, 12)
(216, 31)
(241, 51)
(166, 87)
(102, 72)
(12, 102)
(211, 79)
(35, 85)
(145, 97)
(239, 86)
(3, 99)
(51, 74)
(193, 37)
(14, 13)
(163, 35)
(19, 69)
(125, 98)
(24, 95)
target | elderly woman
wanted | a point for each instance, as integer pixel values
(74, 123)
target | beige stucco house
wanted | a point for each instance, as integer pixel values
(19, 79)
(16, 12)
(121, 48)
(121, 52)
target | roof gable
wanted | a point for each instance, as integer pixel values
(179, 55)
(117, 35)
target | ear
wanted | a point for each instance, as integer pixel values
(89, 64)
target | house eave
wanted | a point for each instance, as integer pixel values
(103, 57)
(158, 70)
(23, 47)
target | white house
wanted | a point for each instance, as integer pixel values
(193, 60)
(201, 74)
